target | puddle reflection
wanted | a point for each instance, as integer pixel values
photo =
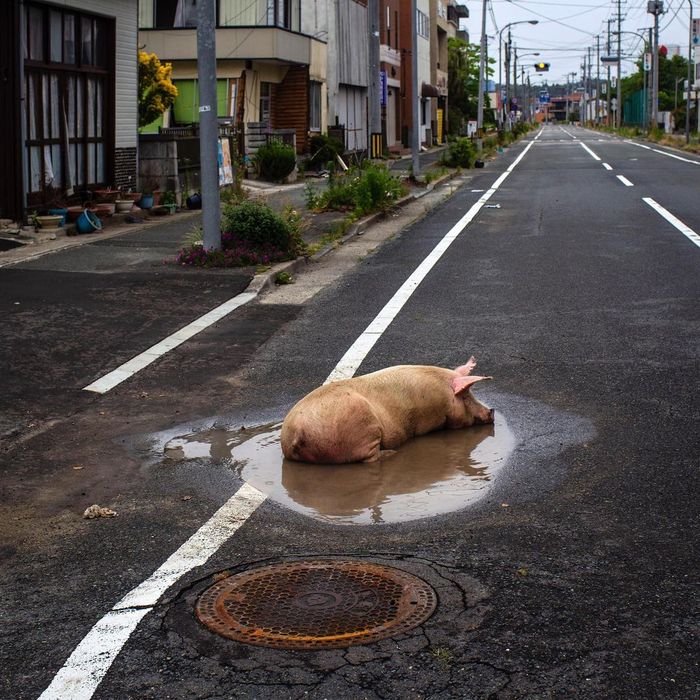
(433, 474)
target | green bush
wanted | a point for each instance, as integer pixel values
(375, 189)
(323, 148)
(461, 153)
(256, 224)
(275, 160)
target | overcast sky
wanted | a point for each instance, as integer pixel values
(566, 28)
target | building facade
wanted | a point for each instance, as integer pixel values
(70, 119)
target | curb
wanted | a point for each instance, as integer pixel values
(266, 280)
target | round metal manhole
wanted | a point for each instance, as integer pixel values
(318, 604)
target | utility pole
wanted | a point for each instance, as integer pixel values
(597, 79)
(608, 90)
(515, 81)
(655, 7)
(508, 82)
(415, 135)
(482, 68)
(690, 80)
(589, 85)
(208, 124)
(374, 92)
(618, 99)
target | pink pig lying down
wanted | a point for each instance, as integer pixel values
(352, 420)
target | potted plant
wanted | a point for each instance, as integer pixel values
(147, 198)
(108, 195)
(169, 200)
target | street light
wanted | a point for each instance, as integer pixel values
(690, 62)
(645, 93)
(500, 62)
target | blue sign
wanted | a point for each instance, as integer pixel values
(544, 97)
(384, 88)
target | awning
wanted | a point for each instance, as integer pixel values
(428, 90)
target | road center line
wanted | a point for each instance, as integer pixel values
(91, 659)
(674, 221)
(625, 181)
(585, 148)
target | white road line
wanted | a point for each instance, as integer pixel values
(663, 153)
(674, 221)
(136, 364)
(568, 134)
(357, 352)
(585, 148)
(91, 659)
(625, 181)
(607, 167)
(87, 665)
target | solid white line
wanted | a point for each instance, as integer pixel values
(136, 364)
(663, 153)
(674, 221)
(607, 167)
(91, 659)
(87, 665)
(625, 181)
(357, 352)
(585, 148)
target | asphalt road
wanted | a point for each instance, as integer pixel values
(573, 576)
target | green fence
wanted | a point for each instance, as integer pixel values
(634, 109)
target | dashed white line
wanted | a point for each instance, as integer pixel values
(674, 221)
(88, 664)
(607, 167)
(585, 148)
(625, 181)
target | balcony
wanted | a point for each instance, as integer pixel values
(457, 12)
(261, 43)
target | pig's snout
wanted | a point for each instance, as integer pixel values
(488, 415)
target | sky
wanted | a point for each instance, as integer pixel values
(566, 28)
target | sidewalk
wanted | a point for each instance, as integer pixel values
(156, 241)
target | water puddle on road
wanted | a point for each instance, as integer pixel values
(430, 475)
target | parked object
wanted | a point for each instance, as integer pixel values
(194, 201)
(88, 222)
(123, 205)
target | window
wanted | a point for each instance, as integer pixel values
(314, 106)
(265, 102)
(68, 61)
(423, 24)
(260, 13)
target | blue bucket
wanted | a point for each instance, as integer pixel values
(88, 222)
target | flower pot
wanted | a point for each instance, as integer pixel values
(63, 213)
(146, 201)
(104, 209)
(88, 222)
(74, 213)
(123, 205)
(133, 196)
(50, 221)
(194, 201)
(160, 210)
(107, 195)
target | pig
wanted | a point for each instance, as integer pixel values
(353, 420)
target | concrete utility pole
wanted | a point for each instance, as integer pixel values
(505, 107)
(415, 135)
(618, 99)
(208, 124)
(655, 7)
(690, 79)
(597, 79)
(482, 69)
(374, 92)
(507, 111)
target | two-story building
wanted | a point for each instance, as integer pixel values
(69, 95)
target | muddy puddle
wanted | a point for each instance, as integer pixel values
(430, 475)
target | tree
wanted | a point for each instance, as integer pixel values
(463, 83)
(156, 90)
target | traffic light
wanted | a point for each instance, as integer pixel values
(541, 67)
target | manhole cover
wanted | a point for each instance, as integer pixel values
(316, 604)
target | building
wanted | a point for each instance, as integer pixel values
(271, 61)
(70, 118)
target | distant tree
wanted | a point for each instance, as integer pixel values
(156, 90)
(463, 84)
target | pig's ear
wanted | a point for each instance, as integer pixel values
(464, 370)
(462, 384)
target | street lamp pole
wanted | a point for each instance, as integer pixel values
(482, 68)
(504, 102)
